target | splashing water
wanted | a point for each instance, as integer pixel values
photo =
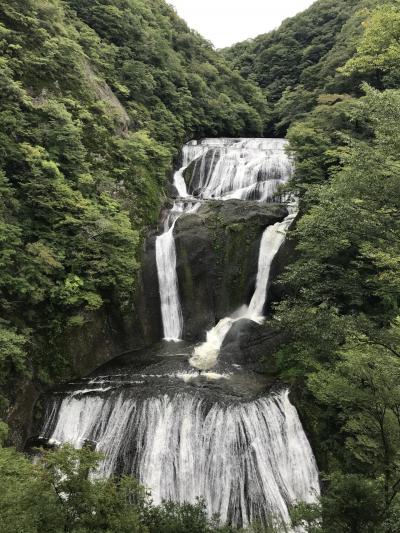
(249, 461)
(244, 169)
(225, 169)
(205, 356)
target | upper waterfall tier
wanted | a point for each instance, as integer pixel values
(217, 169)
(245, 169)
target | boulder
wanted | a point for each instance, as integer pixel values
(253, 345)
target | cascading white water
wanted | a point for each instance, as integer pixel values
(190, 152)
(245, 169)
(249, 461)
(241, 169)
(238, 169)
(246, 455)
(171, 311)
(271, 242)
(167, 276)
(205, 356)
(168, 283)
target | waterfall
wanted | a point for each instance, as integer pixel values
(205, 356)
(224, 437)
(271, 242)
(237, 175)
(168, 281)
(244, 169)
(190, 152)
(237, 169)
(171, 311)
(249, 461)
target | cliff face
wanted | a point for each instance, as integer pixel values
(217, 254)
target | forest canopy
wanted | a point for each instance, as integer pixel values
(96, 97)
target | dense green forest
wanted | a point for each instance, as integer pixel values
(332, 79)
(297, 63)
(96, 96)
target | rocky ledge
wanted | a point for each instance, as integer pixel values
(217, 259)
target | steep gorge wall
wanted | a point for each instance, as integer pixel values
(217, 257)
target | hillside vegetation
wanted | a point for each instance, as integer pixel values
(298, 62)
(96, 97)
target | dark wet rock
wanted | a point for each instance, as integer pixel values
(198, 169)
(147, 327)
(196, 268)
(171, 190)
(33, 443)
(253, 345)
(217, 259)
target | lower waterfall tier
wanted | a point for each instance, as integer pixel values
(184, 435)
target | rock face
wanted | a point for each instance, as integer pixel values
(251, 344)
(217, 259)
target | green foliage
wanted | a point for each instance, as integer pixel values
(304, 58)
(60, 494)
(95, 99)
(56, 494)
(343, 304)
(296, 62)
(378, 50)
(353, 504)
(167, 77)
(307, 516)
(186, 518)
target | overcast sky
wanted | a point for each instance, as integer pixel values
(225, 22)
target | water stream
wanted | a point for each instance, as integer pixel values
(178, 418)
(224, 169)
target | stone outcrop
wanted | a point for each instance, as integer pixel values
(252, 345)
(217, 258)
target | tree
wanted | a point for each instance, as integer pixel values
(378, 50)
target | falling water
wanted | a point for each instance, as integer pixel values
(271, 242)
(167, 276)
(205, 356)
(249, 461)
(168, 282)
(226, 169)
(244, 169)
(186, 434)
(190, 152)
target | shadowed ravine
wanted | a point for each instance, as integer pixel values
(192, 420)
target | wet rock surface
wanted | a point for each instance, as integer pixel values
(217, 259)
(252, 344)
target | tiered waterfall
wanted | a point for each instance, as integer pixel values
(182, 421)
